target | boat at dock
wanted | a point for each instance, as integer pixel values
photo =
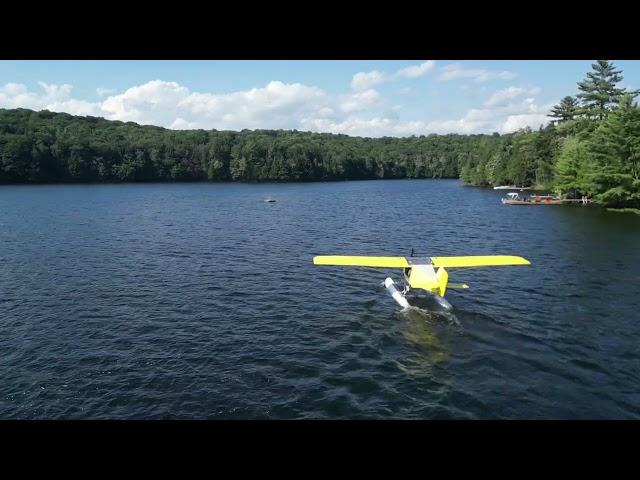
(514, 198)
(507, 187)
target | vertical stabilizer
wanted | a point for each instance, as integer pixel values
(443, 277)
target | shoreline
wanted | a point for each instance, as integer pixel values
(228, 182)
(635, 211)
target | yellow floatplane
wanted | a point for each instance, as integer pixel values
(420, 272)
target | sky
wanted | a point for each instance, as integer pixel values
(358, 98)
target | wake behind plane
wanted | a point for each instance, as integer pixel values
(420, 272)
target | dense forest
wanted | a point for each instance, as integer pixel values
(57, 147)
(591, 148)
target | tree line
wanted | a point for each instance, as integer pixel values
(43, 147)
(592, 147)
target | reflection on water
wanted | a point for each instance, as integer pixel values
(427, 330)
(428, 301)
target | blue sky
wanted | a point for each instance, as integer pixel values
(364, 98)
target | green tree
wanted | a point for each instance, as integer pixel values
(238, 164)
(566, 110)
(615, 148)
(598, 91)
(546, 144)
(522, 164)
(572, 168)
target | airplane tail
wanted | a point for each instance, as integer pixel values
(443, 277)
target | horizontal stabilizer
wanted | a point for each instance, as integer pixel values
(361, 261)
(479, 261)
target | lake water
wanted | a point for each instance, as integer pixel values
(180, 301)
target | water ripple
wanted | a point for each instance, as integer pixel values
(201, 301)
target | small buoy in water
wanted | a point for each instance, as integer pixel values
(269, 200)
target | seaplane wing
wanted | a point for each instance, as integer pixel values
(420, 272)
(362, 261)
(404, 262)
(479, 261)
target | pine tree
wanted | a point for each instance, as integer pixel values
(566, 110)
(546, 149)
(524, 159)
(615, 148)
(572, 168)
(599, 93)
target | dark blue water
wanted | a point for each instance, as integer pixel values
(201, 301)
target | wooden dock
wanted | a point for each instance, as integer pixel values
(544, 200)
(584, 201)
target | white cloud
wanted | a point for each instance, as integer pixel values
(474, 121)
(13, 89)
(105, 91)
(154, 101)
(415, 71)
(182, 124)
(365, 80)
(15, 95)
(169, 104)
(455, 71)
(504, 113)
(325, 112)
(507, 95)
(516, 122)
(390, 126)
(76, 107)
(54, 98)
(366, 127)
(359, 101)
(55, 92)
(279, 105)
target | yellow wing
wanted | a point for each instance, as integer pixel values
(479, 261)
(361, 261)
